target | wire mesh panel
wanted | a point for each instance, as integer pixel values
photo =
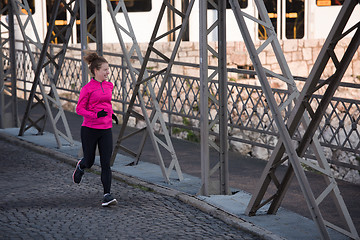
(248, 110)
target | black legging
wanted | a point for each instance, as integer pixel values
(91, 137)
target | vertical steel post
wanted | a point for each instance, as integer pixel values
(223, 97)
(215, 179)
(14, 121)
(3, 57)
(99, 33)
(204, 96)
(8, 119)
(83, 39)
(85, 35)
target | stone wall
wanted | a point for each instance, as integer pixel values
(300, 56)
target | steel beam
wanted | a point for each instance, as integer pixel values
(214, 173)
(143, 85)
(99, 33)
(287, 129)
(55, 62)
(283, 132)
(83, 41)
(8, 119)
(85, 35)
(204, 96)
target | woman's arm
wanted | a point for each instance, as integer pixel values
(81, 107)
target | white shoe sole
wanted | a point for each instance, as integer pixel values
(112, 202)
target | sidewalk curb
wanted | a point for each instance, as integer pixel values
(184, 197)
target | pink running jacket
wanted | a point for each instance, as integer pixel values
(94, 97)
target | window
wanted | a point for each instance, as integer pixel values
(271, 7)
(243, 4)
(322, 3)
(134, 5)
(60, 21)
(91, 26)
(294, 18)
(3, 4)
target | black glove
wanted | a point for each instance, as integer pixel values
(102, 113)
(115, 119)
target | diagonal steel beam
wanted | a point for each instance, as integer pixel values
(46, 61)
(142, 85)
(284, 145)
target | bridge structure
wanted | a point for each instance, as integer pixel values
(293, 113)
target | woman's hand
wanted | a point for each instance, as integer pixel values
(102, 113)
(115, 119)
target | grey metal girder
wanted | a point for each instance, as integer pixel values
(143, 81)
(215, 178)
(52, 97)
(85, 34)
(8, 119)
(285, 144)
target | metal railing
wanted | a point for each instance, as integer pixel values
(248, 111)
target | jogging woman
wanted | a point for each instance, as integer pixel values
(95, 106)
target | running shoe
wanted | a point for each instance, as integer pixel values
(108, 200)
(78, 173)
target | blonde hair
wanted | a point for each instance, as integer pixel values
(94, 61)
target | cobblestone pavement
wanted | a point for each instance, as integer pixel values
(40, 201)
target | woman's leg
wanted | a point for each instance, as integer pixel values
(89, 139)
(105, 144)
